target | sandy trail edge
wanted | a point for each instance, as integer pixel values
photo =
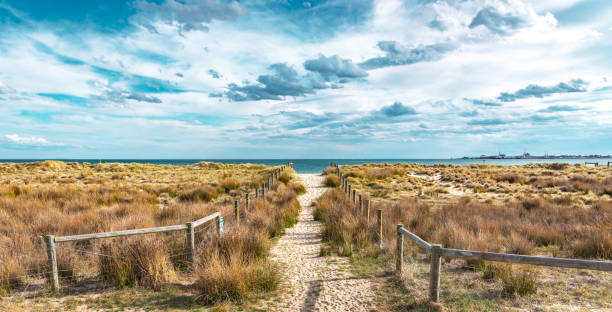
(313, 283)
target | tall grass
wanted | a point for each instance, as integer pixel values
(235, 266)
(514, 227)
(60, 198)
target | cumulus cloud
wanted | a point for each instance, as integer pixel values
(284, 82)
(397, 109)
(334, 66)
(30, 141)
(189, 14)
(497, 22)
(397, 55)
(577, 85)
(213, 73)
(121, 95)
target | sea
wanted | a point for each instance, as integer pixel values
(318, 165)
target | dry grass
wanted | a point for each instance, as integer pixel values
(234, 267)
(515, 211)
(69, 198)
(332, 180)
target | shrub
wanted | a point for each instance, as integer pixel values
(332, 180)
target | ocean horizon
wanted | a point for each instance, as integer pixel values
(317, 165)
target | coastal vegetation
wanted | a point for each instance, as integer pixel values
(558, 210)
(61, 198)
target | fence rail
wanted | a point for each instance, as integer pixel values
(437, 252)
(188, 227)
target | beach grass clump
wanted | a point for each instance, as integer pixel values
(332, 180)
(522, 281)
(235, 280)
(135, 262)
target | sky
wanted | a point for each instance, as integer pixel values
(304, 79)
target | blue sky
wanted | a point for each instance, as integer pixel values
(304, 79)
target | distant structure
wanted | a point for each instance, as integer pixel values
(545, 156)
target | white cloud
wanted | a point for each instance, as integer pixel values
(32, 141)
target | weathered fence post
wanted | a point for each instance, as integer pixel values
(380, 229)
(263, 192)
(353, 195)
(349, 191)
(246, 197)
(368, 210)
(237, 212)
(190, 243)
(220, 225)
(52, 257)
(360, 203)
(434, 273)
(399, 261)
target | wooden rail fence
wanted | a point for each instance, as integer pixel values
(188, 227)
(437, 251)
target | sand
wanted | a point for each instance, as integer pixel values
(311, 282)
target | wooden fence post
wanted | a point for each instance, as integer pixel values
(353, 195)
(246, 197)
(434, 273)
(190, 243)
(349, 191)
(399, 261)
(360, 203)
(368, 210)
(380, 229)
(237, 212)
(220, 225)
(52, 257)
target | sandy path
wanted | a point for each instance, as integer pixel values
(314, 283)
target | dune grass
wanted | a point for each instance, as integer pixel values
(554, 220)
(69, 198)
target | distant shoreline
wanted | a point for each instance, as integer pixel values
(541, 157)
(318, 165)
